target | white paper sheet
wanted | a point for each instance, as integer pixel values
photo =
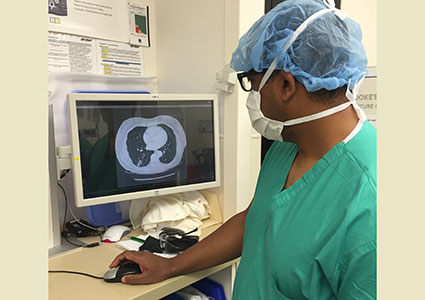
(71, 53)
(104, 19)
(134, 246)
(130, 244)
(139, 24)
(77, 54)
(119, 59)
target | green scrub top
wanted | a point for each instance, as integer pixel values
(316, 239)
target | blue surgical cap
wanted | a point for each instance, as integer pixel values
(327, 54)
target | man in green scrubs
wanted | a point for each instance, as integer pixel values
(310, 231)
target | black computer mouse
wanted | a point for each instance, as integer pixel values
(115, 274)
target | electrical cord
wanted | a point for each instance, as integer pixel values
(63, 174)
(73, 272)
(66, 234)
(85, 225)
(66, 205)
(72, 212)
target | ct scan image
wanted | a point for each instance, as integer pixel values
(151, 147)
(58, 7)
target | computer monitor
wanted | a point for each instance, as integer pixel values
(132, 146)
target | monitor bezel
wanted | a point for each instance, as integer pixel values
(80, 201)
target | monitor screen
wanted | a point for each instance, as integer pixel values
(130, 146)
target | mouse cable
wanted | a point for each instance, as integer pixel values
(73, 272)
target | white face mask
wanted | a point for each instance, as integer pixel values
(272, 129)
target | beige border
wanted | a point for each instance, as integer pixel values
(24, 149)
(401, 155)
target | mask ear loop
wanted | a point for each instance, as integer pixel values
(351, 95)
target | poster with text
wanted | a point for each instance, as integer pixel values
(78, 54)
(71, 53)
(119, 59)
(367, 97)
(104, 19)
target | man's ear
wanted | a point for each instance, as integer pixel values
(288, 85)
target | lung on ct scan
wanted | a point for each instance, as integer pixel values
(150, 147)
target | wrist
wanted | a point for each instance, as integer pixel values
(173, 267)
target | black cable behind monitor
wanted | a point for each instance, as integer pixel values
(66, 234)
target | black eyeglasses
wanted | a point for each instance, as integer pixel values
(244, 81)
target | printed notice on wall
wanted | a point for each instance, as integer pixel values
(103, 19)
(70, 53)
(367, 97)
(139, 24)
(119, 59)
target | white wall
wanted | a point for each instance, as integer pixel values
(364, 12)
(189, 45)
(249, 11)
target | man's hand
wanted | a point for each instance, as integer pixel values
(154, 268)
(220, 246)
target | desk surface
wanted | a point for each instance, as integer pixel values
(95, 261)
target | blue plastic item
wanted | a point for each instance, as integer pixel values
(210, 288)
(173, 296)
(104, 215)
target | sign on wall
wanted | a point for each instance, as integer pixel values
(77, 54)
(139, 24)
(103, 19)
(367, 97)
